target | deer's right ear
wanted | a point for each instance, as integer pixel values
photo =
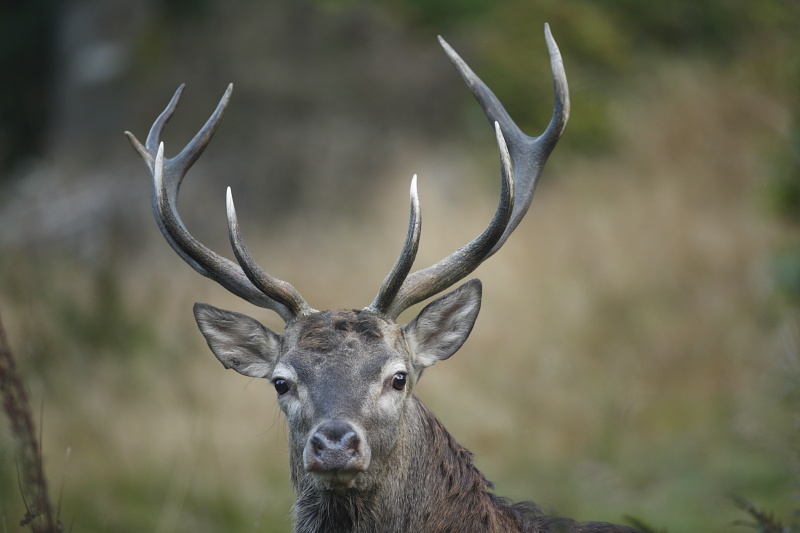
(238, 341)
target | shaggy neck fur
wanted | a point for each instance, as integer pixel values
(430, 484)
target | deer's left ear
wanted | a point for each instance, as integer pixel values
(443, 325)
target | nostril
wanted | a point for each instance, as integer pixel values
(350, 442)
(318, 443)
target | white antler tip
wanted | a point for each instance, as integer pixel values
(414, 194)
(229, 203)
(158, 169)
(449, 49)
(548, 35)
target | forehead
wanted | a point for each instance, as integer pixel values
(326, 330)
(342, 342)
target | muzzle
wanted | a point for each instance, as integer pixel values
(336, 451)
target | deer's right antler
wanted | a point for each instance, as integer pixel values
(249, 281)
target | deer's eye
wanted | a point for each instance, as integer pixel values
(281, 386)
(399, 381)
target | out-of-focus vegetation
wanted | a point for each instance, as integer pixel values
(637, 352)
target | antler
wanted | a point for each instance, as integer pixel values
(528, 156)
(249, 281)
(394, 280)
(522, 159)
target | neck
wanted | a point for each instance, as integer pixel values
(429, 483)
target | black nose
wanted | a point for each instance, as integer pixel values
(334, 446)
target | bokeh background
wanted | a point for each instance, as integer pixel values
(637, 350)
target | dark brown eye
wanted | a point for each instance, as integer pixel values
(399, 381)
(281, 386)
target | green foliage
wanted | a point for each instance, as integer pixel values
(68, 300)
(786, 273)
(605, 44)
(512, 57)
(718, 27)
(177, 10)
(763, 521)
(105, 323)
(438, 14)
(783, 189)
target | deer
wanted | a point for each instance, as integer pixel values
(365, 453)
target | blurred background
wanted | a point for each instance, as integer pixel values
(637, 350)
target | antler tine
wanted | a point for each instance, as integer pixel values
(271, 286)
(526, 155)
(167, 174)
(149, 149)
(394, 280)
(436, 278)
(154, 135)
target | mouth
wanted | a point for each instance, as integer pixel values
(336, 452)
(336, 477)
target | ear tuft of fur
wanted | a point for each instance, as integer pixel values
(238, 341)
(443, 326)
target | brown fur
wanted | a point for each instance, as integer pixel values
(433, 486)
(324, 333)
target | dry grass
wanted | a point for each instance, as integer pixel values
(39, 513)
(628, 358)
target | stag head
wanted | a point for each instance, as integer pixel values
(345, 379)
